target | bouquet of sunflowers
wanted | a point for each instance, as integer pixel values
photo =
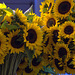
(33, 45)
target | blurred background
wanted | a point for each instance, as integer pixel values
(23, 4)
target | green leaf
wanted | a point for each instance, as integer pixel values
(49, 70)
(29, 53)
(12, 27)
(2, 17)
(31, 10)
(69, 18)
(26, 14)
(44, 10)
(4, 24)
(30, 18)
(8, 9)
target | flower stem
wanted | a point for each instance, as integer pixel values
(12, 64)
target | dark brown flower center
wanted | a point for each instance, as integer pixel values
(35, 62)
(55, 36)
(57, 65)
(46, 42)
(62, 51)
(70, 65)
(32, 36)
(64, 7)
(68, 30)
(0, 43)
(51, 22)
(15, 43)
(28, 70)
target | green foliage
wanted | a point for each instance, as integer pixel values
(30, 18)
(49, 70)
(2, 12)
(30, 10)
(4, 24)
(29, 53)
(10, 27)
(69, 18)
(1, 18)
(44, 10)
(8, 9)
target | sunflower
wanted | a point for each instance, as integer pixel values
(4, 37)
(20, 17)
(46, 6)
(23, 63)
(74, 59)
(20, 25)
(45, 59)
(66, 40)
(47, 44)
(37, 64)
(38, 51)
(63, 8)
(5, 31)
(2, 57)
(70, 67)
(37, 19)
(67, 29)
(74, 39)
(33, 35)
(3, 42)
(3, 6)
(49, 20)
(13, 43)
(19, 71)
(72, 16)
(74, 4)
(50, 5)
(28, 71)
(62, 51)
(8, 19)
(31, 16)
(58, 68)
(54, 34)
